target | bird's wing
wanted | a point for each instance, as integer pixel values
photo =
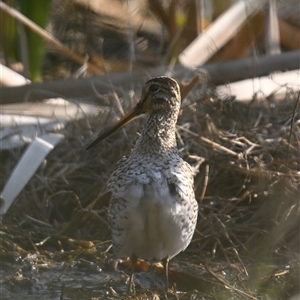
(181, 186)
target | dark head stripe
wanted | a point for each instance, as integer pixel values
(162, 82)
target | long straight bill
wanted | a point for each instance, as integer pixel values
(131, 115)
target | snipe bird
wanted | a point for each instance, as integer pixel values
(153, 211)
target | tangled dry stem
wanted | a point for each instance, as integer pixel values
(246, 158)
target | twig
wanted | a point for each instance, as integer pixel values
(218, 146)
(293, 119)
(39, 222)
(226, 283)
(205, 183)
(199, 160)
(242, 138)
(249, 150)
(186, 88)
(241, 262)
(119, 105)
(187, 130)
(254, 171)
(100, 218)
(180, 140)
(224, 230)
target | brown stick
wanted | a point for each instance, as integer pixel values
(289, 35)
(220, 73)
(47, 36)
(185, 88)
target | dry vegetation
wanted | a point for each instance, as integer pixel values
(246, 157)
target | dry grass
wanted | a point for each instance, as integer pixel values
(247, 159)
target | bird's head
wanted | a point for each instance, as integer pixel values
(159, 95)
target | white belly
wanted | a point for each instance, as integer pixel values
(148, 221)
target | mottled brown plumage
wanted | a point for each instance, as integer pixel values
(153, 211)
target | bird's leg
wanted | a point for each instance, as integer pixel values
(165, 262)
(131, 288)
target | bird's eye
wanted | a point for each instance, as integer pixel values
(153, 88)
